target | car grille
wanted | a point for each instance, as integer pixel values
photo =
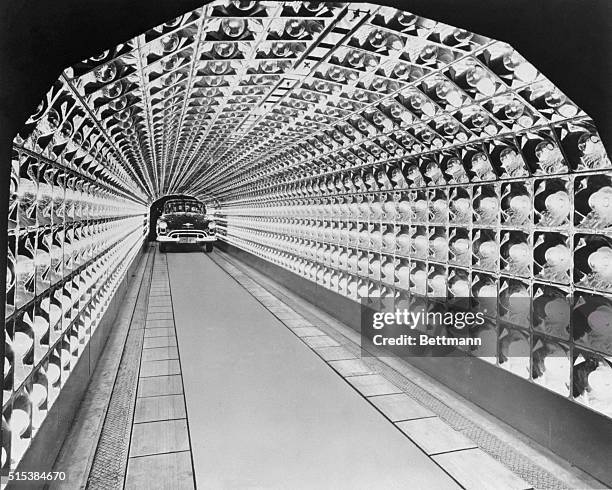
(188, 234)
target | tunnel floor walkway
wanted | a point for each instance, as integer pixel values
(227, 384)
(264, 410)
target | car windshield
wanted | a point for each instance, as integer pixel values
(184, 207)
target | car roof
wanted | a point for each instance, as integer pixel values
(186, 199)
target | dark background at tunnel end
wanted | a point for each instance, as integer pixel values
(568, 40)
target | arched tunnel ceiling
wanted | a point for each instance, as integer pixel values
(237, 97)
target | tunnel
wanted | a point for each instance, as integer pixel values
(354, 162)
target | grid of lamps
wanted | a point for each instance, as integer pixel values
(481, 180)
(334, 137)
(75, 223)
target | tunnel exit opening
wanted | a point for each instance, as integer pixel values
(155, 211)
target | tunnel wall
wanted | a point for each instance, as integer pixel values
(580, 436)
(532, 252)
(73, 233)
(45, 447)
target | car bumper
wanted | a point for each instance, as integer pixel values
(186, 239)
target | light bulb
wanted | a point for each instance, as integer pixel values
(355, 59)
(225, 50)
(446, 91)
(513, 110)
(170, 43)
(22, 343)
(105, 73)
(270, 66)
(406, 19)
(65, 132)
(429, 53)
(113, 90)
(38, 394)
(520, 253)
(244, 5)
(20, 421)
(461, 289)
(50, 123)
(233, 27)
(171, 24)
(478, 78)
(558, 257)
(336, 74)
(427, 136)
(118, 104)
(295, 28)
(282, 50)
(402, 71)
(314, 6)
(450, 127)
(554, 98)
(100, 56)
(480, 119)
(461, 35)
(522, 70)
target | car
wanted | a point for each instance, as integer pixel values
(184, 222)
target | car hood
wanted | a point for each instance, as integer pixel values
(179, 220)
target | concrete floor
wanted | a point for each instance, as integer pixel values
(264, 411)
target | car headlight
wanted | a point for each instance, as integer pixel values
(212, 225)
(162, 226)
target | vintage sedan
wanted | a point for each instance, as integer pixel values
(184, 222)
